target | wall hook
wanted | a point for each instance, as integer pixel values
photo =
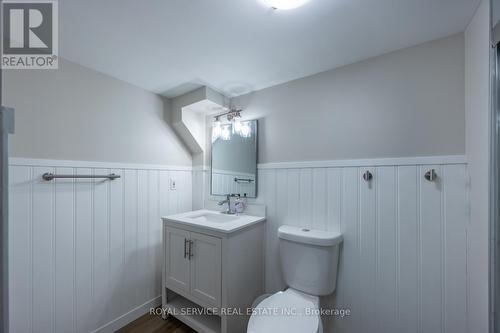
(431, 175)
(367, 176)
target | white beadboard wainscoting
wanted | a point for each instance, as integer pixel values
(85, 254)
(403, 261)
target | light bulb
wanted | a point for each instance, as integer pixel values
(216, 130)
(225, 134)
(237, 125)
(246, 130)
(285, 4)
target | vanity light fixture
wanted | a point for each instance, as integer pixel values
(285, 4)
(223, 131)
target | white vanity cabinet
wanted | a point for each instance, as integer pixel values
(194, 265)
(212, 274)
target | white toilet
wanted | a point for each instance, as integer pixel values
(309, 260)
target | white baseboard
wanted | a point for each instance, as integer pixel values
(128, 317)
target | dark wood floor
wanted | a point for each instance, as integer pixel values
(155, 324)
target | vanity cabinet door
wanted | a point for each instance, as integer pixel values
(206, 268)
(177, 258)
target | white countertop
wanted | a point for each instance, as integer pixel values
(233, 223)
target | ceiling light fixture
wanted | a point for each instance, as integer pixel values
(285, 4)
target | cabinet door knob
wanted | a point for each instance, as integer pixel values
(185, 247)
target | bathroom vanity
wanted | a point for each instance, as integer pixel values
(213, 269)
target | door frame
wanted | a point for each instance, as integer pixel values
(6, 128)
(494, 174)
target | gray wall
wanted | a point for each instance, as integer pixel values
(406, 103)
(495, 12)
(75, 113)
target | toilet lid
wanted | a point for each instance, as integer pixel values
(288, 312)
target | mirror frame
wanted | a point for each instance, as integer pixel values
(256, 163)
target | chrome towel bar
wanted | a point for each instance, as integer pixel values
(50, 176)
(245, 180)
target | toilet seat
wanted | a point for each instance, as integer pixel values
(289, 311)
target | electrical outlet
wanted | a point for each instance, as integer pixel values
(173, 184)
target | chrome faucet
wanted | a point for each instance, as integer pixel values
(228, 201)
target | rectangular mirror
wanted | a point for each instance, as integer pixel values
(234, 159)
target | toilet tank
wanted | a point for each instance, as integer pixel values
(309, 259)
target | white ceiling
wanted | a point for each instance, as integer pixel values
(236, 46)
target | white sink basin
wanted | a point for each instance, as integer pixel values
(213, 220)
(213, 217)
